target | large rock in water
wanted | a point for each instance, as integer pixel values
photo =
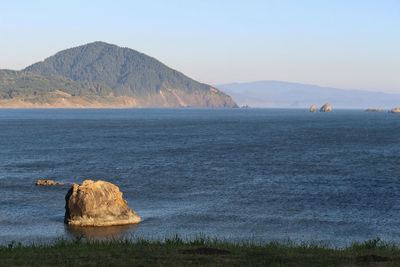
(326, 108)
(97, 204)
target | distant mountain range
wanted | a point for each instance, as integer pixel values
(104, 75)
(276, 94)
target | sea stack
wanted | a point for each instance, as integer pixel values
(97, 203)
(313, 108)
(395, 110)
(326, 108)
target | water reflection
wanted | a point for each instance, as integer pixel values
(101, 233)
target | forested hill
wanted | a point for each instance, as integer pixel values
(100, 74)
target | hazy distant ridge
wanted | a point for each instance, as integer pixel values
(296, 95)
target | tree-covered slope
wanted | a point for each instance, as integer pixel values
(22, 83)
(23, 89)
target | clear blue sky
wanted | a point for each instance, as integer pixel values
(343, 43)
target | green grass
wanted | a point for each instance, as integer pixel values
(199, 252)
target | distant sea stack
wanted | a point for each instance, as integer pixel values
(395, 110)
(326, 108)
(313, 108)
(101, 75)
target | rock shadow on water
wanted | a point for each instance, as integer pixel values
(100, 233)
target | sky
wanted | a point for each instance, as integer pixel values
(351, 44)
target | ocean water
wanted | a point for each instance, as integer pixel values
(236, 174)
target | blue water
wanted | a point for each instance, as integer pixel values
(256, 174)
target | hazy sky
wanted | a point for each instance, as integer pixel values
(349, 43)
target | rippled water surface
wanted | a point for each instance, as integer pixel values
(243, 174)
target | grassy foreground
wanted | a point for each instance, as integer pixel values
(202, 251)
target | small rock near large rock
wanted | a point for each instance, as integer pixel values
(47, 182)
(97, 203)
(313, 108)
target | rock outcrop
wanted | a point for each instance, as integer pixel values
(47, 182)
(313, 108)
(326, 108)
(395, 110)
(97, 203)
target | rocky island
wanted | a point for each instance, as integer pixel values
(102, 75)
(326, 108)
(97, 203)
(395, 110)
(313, 108)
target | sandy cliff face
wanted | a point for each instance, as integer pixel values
(169, 98)
(176, 98)
(69, 102)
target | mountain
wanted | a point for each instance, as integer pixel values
(104, 75)
(278, 94)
